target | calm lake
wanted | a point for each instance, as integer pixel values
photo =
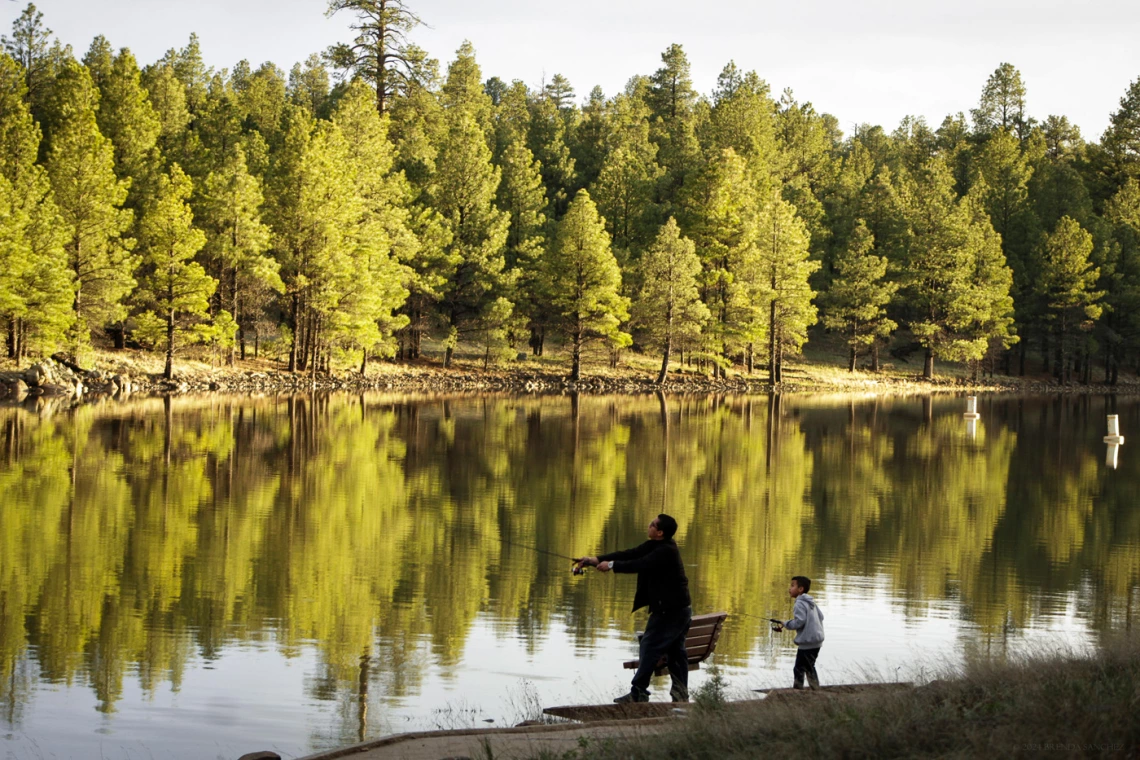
(204, 577)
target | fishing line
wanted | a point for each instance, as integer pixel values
(536, 549)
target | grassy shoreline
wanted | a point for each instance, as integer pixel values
(1055, 705)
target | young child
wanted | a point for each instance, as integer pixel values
(807, 621)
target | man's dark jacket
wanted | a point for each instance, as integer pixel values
(661, 580)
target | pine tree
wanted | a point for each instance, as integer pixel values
(782, 252)
(417, 129)
(547, 140)
(721, 216)
(1122, 317)
(30, 47)
(585, 282)
(237, 240)
(176, 289)
(1002, 105)
(856, 303)
(986, 314)
(383, 237)
(380, 54)
(522, 195)
(128, 120)
(313, 213)
(309, 85)
(466, 184)
(1002, 172)
(672, 103)
(35, 283)
(90, 198)
(937, 272)
(560, 92)
(626, 188)
(167, 97)
(1067, 283)
(668, 305)
(957, 283)
(743, 118)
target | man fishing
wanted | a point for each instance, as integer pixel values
(663, 586)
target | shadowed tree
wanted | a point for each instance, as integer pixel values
(1067, 282)
(857, 302)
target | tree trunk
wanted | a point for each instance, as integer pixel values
(11, 338)
(852, 359)
(772, 343)
(363, 363)
(293, 343)
(928, 365)
(119, 336)
(447, 357)
(237, 318)
(1021, 359)
(168, 373)
(257, 343)
(751, 358)
(576, 366)
(665, 361)
(875, 356)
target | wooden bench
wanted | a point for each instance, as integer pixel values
(700, 642)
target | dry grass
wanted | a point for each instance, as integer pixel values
(1054, 705)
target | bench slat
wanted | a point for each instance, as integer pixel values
(700, 642)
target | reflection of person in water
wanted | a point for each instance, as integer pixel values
(663, 586)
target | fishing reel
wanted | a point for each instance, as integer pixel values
(579, 567)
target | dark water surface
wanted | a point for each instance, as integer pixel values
(199, 578)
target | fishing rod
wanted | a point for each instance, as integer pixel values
(536, 549)
(576, 570)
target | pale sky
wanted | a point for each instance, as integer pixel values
(865, 61)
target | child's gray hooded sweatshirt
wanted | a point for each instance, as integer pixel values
(808, 620)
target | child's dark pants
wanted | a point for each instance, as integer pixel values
(805, 665)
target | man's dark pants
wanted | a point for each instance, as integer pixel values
(664, 635)
(805, 665)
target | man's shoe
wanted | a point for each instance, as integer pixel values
(631, 697)
(679, 693)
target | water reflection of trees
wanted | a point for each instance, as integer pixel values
(377, 529)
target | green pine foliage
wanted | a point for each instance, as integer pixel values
(175, 290)
(668, 307)
(1067, 286)
(363, 202)
(585, 282)
(90, 198)
(856, 304)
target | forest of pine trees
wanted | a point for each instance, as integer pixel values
(369, 197)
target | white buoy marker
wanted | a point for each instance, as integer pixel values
(1114, 435)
